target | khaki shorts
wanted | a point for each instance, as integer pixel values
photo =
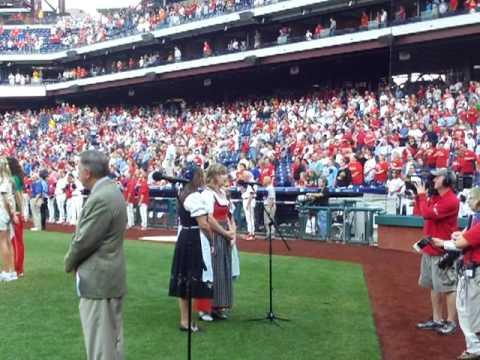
(432, 277)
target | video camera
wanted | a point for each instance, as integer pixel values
(446, 261)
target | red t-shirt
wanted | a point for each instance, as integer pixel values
(441, 156)
(472, 253)
(441, 218)
(370, 139)
(467, 162)
(381, 169)
(397, 164)
(431, 159)
(356, 169)
(266, 171)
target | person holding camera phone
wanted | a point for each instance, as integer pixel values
(468, 289)
(440, 212)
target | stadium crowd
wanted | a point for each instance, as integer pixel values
(71, 32)
(77, 31)
(348, 137)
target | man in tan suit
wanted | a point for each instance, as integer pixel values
(97, 258)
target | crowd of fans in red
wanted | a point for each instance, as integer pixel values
(349, 137)
(78, 31)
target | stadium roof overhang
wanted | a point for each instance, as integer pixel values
(409, 35)
(275, 12)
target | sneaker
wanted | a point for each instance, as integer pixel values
(205, 316)
(8, 276)
(34, 229)
(430, 325)
(469, 356)
(448, 328)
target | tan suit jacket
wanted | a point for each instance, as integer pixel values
(96, 250)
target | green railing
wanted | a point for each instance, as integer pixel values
(346, 222)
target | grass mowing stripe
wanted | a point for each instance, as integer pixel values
(327, 302)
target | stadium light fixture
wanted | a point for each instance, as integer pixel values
(251, 60)
(246, 15)
(147, 37)
(151, 76)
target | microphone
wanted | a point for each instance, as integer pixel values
(157, 176)
(246, 183)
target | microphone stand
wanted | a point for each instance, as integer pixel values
(177, 186)
(270, 316)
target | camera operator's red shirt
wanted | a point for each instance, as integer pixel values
(440, 213)
(471, 255)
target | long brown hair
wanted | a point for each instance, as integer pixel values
(193, 186)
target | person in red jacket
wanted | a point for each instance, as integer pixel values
(440, 213)
(468, 288)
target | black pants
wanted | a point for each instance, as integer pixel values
(43, 213)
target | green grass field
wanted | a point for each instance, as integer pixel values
(327, 302)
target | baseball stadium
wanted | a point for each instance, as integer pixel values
(239, 179)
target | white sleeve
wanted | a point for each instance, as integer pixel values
(195, 205)
(209, 200)
(5, 187)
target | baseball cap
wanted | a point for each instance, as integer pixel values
(445, 173)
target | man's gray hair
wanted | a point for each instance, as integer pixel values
(96, 162)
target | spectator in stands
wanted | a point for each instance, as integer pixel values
(257, 40)
(401, 14)
(344, 175)
(369, 168)
(308, 35)
(318, 31)
(364, 20)
(356, 170)
(177, 54)
(453, 5)
(333, 26)
(381, 171)
(471, 5)
(207, 50)
(383, 18)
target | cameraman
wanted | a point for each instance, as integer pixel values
(468, 290)
(440, 212)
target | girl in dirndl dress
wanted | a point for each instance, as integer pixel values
(218, 206)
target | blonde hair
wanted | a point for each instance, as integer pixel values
(474, 198)
(213, 171)
(5, 172)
